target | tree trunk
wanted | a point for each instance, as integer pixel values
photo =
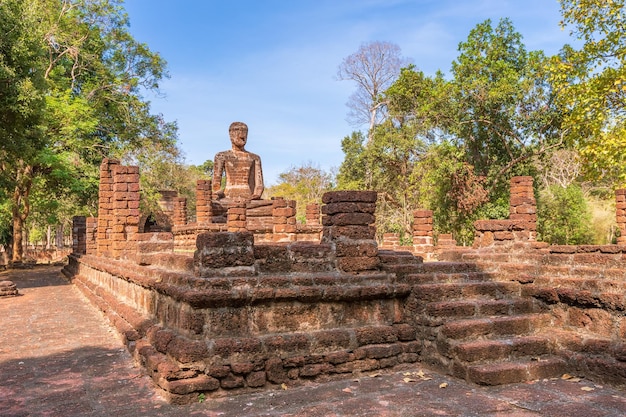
(21, 209)
(18, 227)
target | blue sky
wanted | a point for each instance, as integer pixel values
(272, 63)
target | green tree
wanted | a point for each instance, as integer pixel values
(22, 108)
(504, 103)
(591, 84)
(563, 216)
(75, 78)
(305, 184)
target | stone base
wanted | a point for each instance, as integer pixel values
(8, 289)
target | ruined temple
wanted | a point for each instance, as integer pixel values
(254, 301)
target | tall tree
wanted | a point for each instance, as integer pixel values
(87, 74)
(505, 106)
(591, 81)
(373, 67)
(22, 106)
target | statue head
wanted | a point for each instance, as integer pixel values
(238, 133)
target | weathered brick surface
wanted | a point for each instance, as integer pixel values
(521, 225)
(347, 219)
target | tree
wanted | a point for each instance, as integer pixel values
(21, 108)
(373, 67)
(305, 184)
(351, 175)
(505, 107)
(83, 74)
(563, 217)
(591, 82)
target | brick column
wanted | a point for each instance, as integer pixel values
(79, 235)
(284, 216)
(204, 212)
(445, 240)
(236, 217)
(391, 241)
(223, 254)
(523, 207)
(348, 223)
(125, 210)
(620, 215)
(179, 215)
(423, 231)
(105, 207)
(312, 214)
(92, 234)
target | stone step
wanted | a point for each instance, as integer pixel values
(465, 290)
(439, 277)
(439, 312)
(398, 257)
(517, 325)
(592, 284)
(169, 261)
(512, 372)
(402, 270)
(501, 349)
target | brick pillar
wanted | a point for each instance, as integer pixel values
(59, 237)
(391, 241)
(204, 212)
(125, 210)
(284, 217)
(179, 214)
(423, 231)
(236, 217)
(223, 254)
(348, 223)
(620, 215)
(312, 214)
(92, 233)
(79, 235)
(105, 207)
(523, 207)
(445, 240)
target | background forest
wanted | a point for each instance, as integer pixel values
(73, 80)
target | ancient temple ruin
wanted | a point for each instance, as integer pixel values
(255, 300)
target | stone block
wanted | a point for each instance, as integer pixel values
(349, 219)
(375, 335)
(355, 264)
(275, 371)
(349, 196)
(187, 386)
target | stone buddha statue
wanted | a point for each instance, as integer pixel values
(244, 175)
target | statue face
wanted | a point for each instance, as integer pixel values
(238, 137)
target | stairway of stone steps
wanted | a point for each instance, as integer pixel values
(565, 283)
(475, 326)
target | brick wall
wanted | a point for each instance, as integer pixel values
(105, 207)
(348, 224)
(204, 211)
(521, 226)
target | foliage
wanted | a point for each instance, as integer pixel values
(74, 78)
(351, 175)
(451, 145)
(505, 110)
(591, 81)
(305, 184)
(563, 216)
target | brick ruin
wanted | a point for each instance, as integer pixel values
(261, 301)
